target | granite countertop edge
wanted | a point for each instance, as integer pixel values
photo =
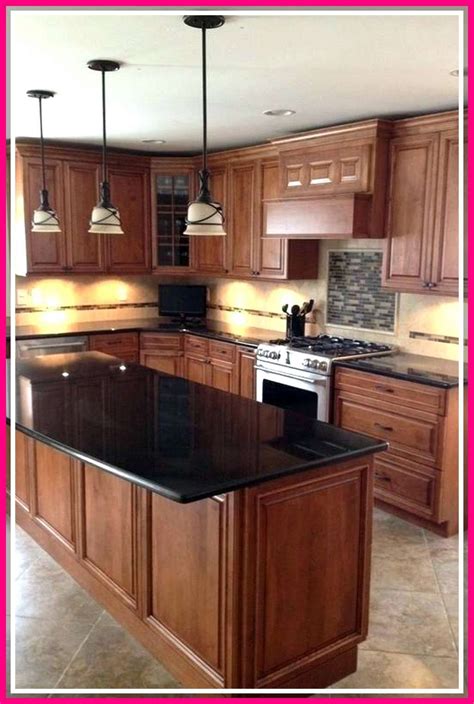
(366, 367)
(192, 496)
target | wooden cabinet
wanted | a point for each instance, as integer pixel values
(421, 250)
(172, 188)
(211, 362)
(123, 345)
(162, 352)
(46, 252)
(209, 254)
(130, 253)
(23, 449)
(85, 252)
(246, 371)
(281, 258)
(242, 218)
(73, 177)
(418, 473)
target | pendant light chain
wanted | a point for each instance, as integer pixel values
(204, 101)
(104, 133)
(43, 165)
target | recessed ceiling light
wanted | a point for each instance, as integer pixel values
(153, 141)
(455, 72)
(280, 112)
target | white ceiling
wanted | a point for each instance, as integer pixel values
(330, 69)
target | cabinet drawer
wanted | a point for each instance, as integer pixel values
(222, 350)
(404, 393)
(127, 341)
(161, 341)
(413, 488)
(417, 438)
(196, 345)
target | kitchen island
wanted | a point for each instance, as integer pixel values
(232, 538)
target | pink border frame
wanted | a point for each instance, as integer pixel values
(271, 4)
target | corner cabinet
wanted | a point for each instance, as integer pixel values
(172, 187)
(421, 249)
(73, 177)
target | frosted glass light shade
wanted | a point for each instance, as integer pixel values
(205, 219)
(45, 221)
(105, 221)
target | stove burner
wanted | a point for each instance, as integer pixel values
(332, 346)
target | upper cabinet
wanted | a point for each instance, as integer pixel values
(173, 186)
(209, 254)
(73, 178)
(332, 183)
(421, 250)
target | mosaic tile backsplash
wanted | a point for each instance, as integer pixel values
(355, 296)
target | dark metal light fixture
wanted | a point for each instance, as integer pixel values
(44, 217)
(205, 216)
(105, 218)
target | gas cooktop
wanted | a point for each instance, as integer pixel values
(315, 354)
(331, 346)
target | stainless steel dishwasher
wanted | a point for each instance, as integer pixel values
(35, 347)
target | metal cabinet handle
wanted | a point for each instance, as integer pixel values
(385, 389)
(429, 284)
(384, 427)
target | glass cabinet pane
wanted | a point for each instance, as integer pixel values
(173, 193)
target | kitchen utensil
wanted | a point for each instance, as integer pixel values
(285, 308)
(295, 310)
(303, 310)
(310, 306)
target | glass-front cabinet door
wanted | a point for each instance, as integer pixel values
(171, 247)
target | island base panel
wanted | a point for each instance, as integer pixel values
(273, 579)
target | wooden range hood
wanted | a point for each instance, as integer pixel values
(332, 183)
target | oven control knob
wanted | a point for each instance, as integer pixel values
(274, 355)
(323, 366)
(306, 362)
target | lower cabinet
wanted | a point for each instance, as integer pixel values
(246, 371)
(123, 345)
(418, 475)
(240, 590)
(162, 352)
(211, 362)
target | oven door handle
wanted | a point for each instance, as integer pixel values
(291, 376)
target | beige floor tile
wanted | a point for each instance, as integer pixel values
(400, 671)
(44, 648)
(110, 658)
(404, 573)
(447, 573)
(451, 604)
(55, 596)
(414, 623)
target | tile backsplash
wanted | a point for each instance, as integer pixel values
(424, 324)
(355, 298)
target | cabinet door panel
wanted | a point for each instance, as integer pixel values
(46, 252)
(195, 369)
(242, 218)
(22, 468)
(85, 252)
(446, 243)
(54, 494)
(109, 531)
(221, 376)
(210, 252)
(271, 253)
(130, 252)
(407, 264)
(165, 361)
(247, 373)
(188, 564)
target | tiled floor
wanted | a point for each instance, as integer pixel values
(64, 639)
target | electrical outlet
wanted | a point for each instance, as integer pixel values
(22, 297)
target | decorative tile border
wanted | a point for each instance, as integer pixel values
(447, 339)
(95, 306)
(249, 311)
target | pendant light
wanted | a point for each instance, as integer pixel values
(44, 217)
(205, 216)
(105, 218)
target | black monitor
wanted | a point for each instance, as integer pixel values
(182, 301)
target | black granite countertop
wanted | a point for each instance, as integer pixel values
(211, 328)
(183, 440)
(411, 367)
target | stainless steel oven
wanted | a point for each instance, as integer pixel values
(306, 393)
